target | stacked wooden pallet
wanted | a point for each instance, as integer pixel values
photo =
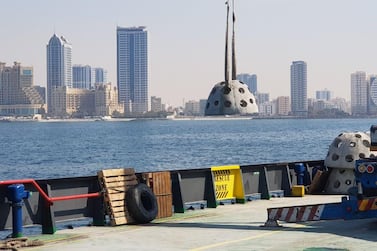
(160, 183)
(115, 183)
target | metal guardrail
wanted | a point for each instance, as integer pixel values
(48, 199)
(190, 189)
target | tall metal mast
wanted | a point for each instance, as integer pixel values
(234, 68)
(226, 44)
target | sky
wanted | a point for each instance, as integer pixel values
(186, 40)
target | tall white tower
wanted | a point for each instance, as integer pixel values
(132, 68)
(359, 93)
(299, 96)
(59, 66)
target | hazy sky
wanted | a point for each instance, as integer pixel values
(186, 40)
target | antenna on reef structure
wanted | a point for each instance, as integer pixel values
(234, 69)
(226, 44)
(233, 63)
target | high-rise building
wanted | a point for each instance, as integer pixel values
(156, 104)
(359, 93)
(81, 76)
(282, 105)
(59, 67)
(250, 80)
(323, 95)
(266, 109)
(262, 97)
(18, 96)
(132, 68)
(98, 76)
(372, 94)
(299, 101)
(192, 108)
(202, 106)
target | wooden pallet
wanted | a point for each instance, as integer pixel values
(115, 183)
(160, 183)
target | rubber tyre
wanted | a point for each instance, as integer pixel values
(141, 203)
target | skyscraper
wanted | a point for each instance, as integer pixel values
(132, 68)
(250, 80)
(323, 95)
(299, 100)
(98, 76)
(372, 94)
(59, 66)
(81, 76)
(359, 93)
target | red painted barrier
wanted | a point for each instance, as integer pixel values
(50, 200)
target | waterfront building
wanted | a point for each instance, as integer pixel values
(202, 106)
(156, 104)
(81, 76)
(250, 80)
(18, 95)
(86, 77)
(359, 93)
(42, 92)
(132, 68)
(98, 76)
(266, 109)
(323, 95)
(320, 105)
(106, 101)
(282, 105)
(262, 97)
(299, 102)
(372, 95)
(59, 68)
(72, 102)
(341, 104)
(192, 108)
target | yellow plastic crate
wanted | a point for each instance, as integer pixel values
(298, 191)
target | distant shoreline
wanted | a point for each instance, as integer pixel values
(175, 118)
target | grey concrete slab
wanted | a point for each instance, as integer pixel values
(227, 227)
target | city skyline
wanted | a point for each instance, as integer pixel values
(186, 41)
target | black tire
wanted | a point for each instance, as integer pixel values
(141, 203)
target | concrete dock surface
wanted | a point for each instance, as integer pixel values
(227, 227)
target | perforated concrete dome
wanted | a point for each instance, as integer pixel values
(340, 181)
(346, 148)
(343, 152)
(234, 98)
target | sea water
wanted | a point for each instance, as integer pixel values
(70, 149)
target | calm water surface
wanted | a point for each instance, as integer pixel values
(64, 149)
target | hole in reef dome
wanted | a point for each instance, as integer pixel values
(349, 158)
(335, 157)
(226, 90)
